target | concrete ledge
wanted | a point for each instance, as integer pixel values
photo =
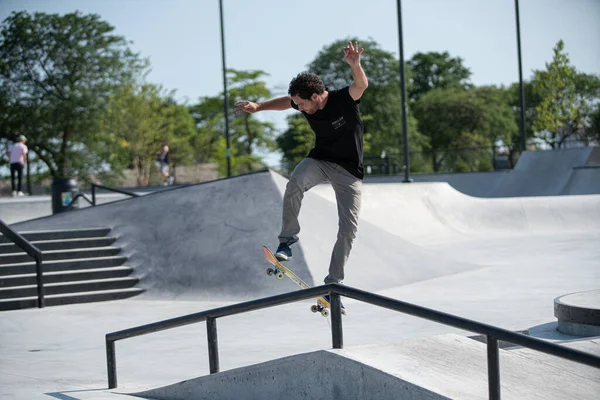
(575, 329)
(317, 375)
(440, 367)
(578, 313)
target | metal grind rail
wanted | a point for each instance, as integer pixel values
(92, 201)
(492, 333)
(121, 191)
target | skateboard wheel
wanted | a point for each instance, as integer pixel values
(270, 271)
(325, 312)
(314, 309)
(279, 275)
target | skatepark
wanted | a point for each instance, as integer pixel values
(497, 248)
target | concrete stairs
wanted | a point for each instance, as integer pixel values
(79, 266)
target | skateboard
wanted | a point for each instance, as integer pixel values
(279, 271)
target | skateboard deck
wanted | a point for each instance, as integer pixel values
(322, 305)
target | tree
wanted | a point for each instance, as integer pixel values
(567, 100)
(248, 135)
(498, 117)
(532, 100)
(593, 133)
(210, 125)
(436, 71)
(138, 118)
(295, 143)
(587, 103)
(463, 125)
(380, 105)
(57, 72)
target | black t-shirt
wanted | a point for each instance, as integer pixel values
(339, 132)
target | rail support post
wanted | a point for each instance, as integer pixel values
(111, 364)
(337, 335)
(493, 361)
(213, 344)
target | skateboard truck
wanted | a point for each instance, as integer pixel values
(317, 308)
(278, 274)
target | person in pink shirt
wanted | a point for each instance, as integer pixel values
(18, 154)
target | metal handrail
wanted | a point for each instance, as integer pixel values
(92, 201)
(493, 333)
(80, 195)
(33, 251)
(94, 186)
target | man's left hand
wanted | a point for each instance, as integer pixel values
(352, 53)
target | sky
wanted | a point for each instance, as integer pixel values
(182, 37)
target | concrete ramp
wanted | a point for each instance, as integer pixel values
(317, 375)
(543, 173)
(439, 367)
(200, 241)
(380, 259)
(583, 181)
(430, 212)
(478, 184)
(537, 173)
(203, 241)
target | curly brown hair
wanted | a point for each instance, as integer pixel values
(305, 84)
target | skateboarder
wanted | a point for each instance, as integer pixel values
(336, 158)
(163, 160)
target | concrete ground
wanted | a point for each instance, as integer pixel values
(499, 261)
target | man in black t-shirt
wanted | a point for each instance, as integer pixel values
(336, 158)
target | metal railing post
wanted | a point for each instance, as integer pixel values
(111, 364)
(493, 361)
(337, 335)
(39, 278)
(213, 344)
(93, 194)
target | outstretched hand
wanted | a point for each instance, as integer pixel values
(246, 106)
(352, 53)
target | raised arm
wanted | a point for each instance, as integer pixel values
(352, 57)
(277, 104)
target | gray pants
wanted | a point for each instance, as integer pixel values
(309, 173)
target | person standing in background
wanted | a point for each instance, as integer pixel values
(163, 159)
(18, 154)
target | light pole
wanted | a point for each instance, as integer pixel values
(522, 90)
(403, 90)
(225, 97)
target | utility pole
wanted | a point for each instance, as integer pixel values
(522, 90)
(225, 96)
(403, 90)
